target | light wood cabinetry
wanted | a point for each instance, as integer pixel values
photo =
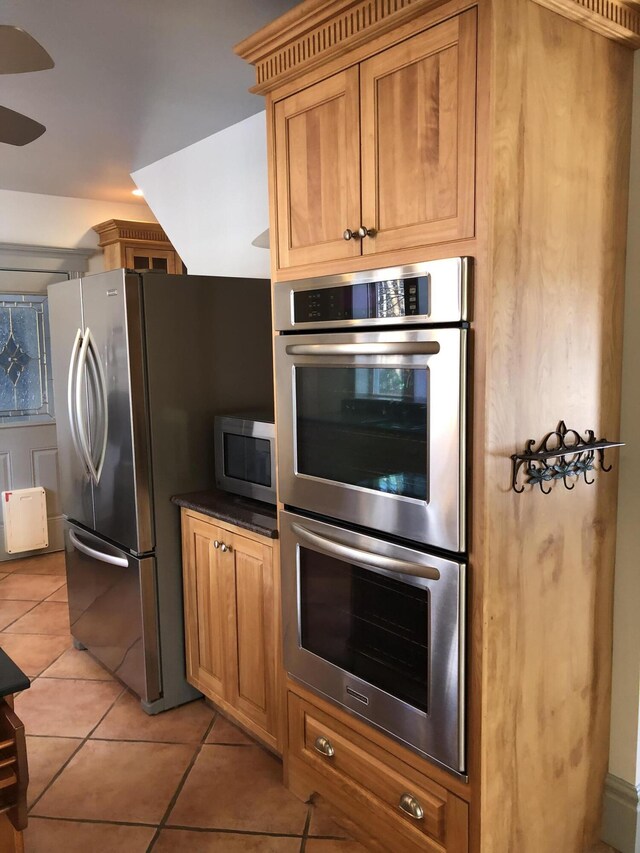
(386, 146)
(231, 595)
(370, 781)
(137, 245)
(539, 201)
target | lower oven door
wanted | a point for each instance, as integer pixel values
(379, 629)
(371, 430)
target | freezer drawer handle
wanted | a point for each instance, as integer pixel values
(98, 555)
(376, 561)
(382, 348)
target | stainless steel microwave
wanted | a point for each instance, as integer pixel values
(245, 455)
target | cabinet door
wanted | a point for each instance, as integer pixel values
(254, 633)
(165, 260)
(418, 138)
(317, 150)
(208, 586)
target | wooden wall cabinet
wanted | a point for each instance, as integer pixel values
(137, 245)
(518, 114)
(386, 146)
(231, 597)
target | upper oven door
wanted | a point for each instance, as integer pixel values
(371, 430)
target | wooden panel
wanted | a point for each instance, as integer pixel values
(418, 138)
(317, 147)
(254, 630)
(251, 628)
(206, 608)
(552, 344)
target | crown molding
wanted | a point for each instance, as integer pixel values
(611, 18)
(125, 229)
(317, 30)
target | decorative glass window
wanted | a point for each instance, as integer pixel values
(26, 386)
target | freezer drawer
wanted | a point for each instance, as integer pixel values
(113, 609)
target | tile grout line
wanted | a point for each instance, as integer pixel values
(181, 783)
(74, 753)
(34, 603)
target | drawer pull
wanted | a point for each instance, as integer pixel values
(410, 806)
(324, 747)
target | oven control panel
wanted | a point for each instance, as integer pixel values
(372, 300)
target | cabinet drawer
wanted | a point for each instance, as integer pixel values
(363, 775)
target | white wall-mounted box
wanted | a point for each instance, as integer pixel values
(24, 513)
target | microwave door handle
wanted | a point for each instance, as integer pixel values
(381, 348)
(376, 561)
(97, 555)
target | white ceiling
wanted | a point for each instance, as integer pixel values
(134, 80)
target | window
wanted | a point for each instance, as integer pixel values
(26, 393)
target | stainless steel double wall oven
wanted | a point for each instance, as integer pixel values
(371, 403)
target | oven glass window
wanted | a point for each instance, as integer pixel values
(247, 458)
(364, 426)
(369, 625)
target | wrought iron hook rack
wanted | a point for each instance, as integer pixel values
(561, 455)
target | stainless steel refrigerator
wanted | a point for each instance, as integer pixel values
(142, 362)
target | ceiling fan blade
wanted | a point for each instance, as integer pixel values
(18, 129)
(20, 52)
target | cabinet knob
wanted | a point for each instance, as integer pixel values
(225, 548)
(363, 232)
(216, 544)
(348, 234)
(410, 806)
(324, 746)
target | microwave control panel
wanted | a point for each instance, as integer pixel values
(374, 300)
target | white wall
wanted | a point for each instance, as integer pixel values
(211, 199)
(49, 220)
(624, 757)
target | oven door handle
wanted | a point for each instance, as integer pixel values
(376, 561)
(381, 348)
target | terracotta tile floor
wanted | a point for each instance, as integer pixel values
(104, 776)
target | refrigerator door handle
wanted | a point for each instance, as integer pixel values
(95, 365)
(72, 382)
(97, 555)
(81, 423)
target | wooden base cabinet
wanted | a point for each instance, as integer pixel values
(231, 596)
(386, 800)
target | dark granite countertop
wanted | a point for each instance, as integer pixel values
(12, 678)
(252, 515)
